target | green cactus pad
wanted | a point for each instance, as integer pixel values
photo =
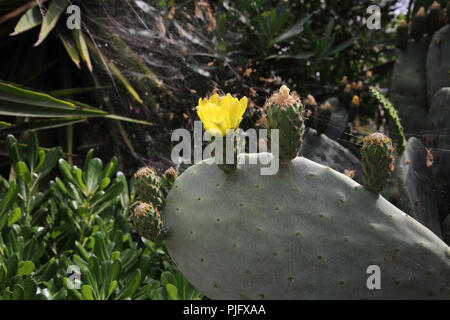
(439, 119)
(171, 174)
(402, 35)
(167, 180)
(321, 117)
(285, 112)
(433, 22)
(419, 24)
(438, 62)
(393, 117)
(314, 237)
(408, 85)
(148, 223)
(412, 188)
(149, 187)
(377, 157)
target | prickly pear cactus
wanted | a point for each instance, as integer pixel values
(323, 150)
(339, 119)
(419, 24)
(285, 113)
(438, 62)
(321, 117)
(422, 67)
(148, 223)
(412, 188)
(377, 157)
(307, 232)
(408, 85)
(149, 187)
(439, 119)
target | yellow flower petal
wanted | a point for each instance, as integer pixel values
(221, 113)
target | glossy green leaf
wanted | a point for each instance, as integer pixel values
(110, 168)
(50, 162)
(13, 148)
(93, 173)
(41, 159)
(9, 199)
(3, 272)
(132, 285)
(104, 183)
(29, 289)
(112, 287)
(23, 173)
(12, 264)
(172, 291)
(14, 216)
(157, 294)
(4, 125)
(167, 277)
(17, 293)
(25, 268)
(64, 169)
(87, 292)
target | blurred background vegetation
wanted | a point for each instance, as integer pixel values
(151, 61)
(120, 84)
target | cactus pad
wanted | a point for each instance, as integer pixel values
(285, 112)
(148, 223)
(377, 157)
(148, 186)
(314, 237)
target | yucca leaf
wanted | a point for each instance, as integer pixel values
(55, 9)
(124, 82)
(19, 101)
(42, 124)
(73, 91)
(292, 31)
(5, 125)
(32, 18)
(71, 48)
(82, 47)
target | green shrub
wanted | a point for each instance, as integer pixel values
(78, 224)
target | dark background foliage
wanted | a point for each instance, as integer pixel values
(152, 60)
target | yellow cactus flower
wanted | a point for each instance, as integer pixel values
(221, 113)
